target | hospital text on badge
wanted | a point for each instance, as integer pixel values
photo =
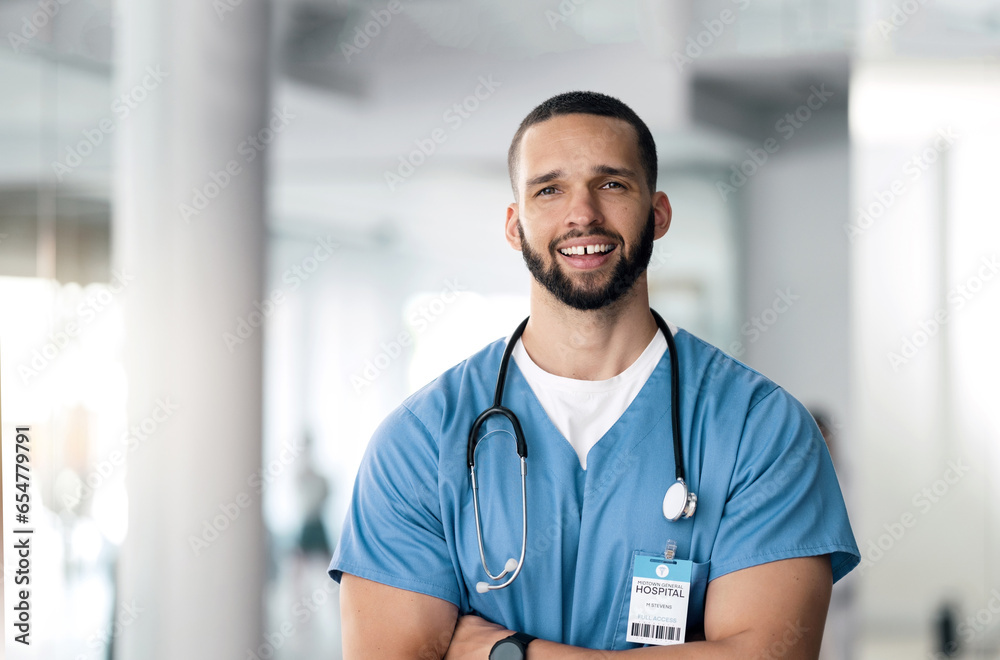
(660, 591)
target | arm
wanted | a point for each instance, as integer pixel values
(379, 621)
(778, 607)
(393, 534)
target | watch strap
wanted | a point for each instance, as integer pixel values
(523, 638)
(519, 639)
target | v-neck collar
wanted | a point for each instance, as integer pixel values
(641, 405)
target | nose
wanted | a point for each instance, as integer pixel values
(583, 209)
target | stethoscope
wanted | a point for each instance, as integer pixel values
(678, 501)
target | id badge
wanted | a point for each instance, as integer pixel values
(661, 588)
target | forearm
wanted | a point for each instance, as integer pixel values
(775, 609)
(797, 639)
(723, 650)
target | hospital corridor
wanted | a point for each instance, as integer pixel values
(312, 299)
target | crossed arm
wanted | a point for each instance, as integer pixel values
(779, 607)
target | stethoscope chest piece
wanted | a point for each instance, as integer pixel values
(679, 502)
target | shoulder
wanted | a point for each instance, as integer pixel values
(448, 398)
(710, 372)
(751, 415)
(766, 474)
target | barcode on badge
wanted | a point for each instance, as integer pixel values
(655, 632)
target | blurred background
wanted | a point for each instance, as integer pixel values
(234, 234)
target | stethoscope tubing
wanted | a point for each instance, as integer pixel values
(675, 396)
(524, 531)
(522, 448)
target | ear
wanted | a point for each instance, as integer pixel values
(510, 227)
(661, 214)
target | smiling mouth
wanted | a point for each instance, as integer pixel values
(586, 249)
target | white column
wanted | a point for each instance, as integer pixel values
(196, 86)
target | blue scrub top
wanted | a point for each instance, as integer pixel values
(766, 490)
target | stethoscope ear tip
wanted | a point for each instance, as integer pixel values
(482, 587)
(510, 565)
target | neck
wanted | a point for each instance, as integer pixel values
(588, 345)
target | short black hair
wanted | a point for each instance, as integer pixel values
(586, 103)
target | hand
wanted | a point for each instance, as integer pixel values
(474, 638)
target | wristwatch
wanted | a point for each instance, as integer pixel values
(514, 647)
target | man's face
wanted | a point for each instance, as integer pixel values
(586, 221)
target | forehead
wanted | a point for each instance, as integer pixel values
(580, 140)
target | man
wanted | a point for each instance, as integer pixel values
(590, 384)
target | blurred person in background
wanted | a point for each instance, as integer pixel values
(312, 543)
(841, 626)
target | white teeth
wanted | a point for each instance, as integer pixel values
(586, 249)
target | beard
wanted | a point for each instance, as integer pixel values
(590, 294)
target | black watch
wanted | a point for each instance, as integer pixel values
(514, 647)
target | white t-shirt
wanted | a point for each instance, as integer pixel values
(584, 410)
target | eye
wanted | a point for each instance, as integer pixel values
(616, 184)
(546, 191)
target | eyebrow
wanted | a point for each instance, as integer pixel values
(606, 170)
(543, 178)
